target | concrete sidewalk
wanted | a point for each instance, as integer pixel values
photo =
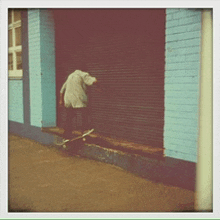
(46, 179)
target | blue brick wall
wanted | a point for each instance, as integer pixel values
(34, 67)
(15, 101)
(41, 68)
(48, 79)
(182, 69)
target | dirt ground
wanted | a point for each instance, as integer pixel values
(45, 179)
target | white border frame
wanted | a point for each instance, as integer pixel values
(109, 4)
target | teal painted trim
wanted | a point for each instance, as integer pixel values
(48, 74)
(181, 87)
(180, 114)
(183, 36)
(191, 11)
(182, 80)
(34, 67)
(188, 129)
(42, 68)
(181, 107)
(181, 51)
(190, 20)
(184, 146)
(35, 64)
(182, 121)
(169, 17)
(175, 59)
(181, 155)
(184, 50)
(183, 58)
(183, 43)
(183, 29)
(181, 136)
(183, 21)
(172, 23)
(186, 14)
(181, 101)
(181, 73)
(172, 10)
(49, 104)
(182, 68)
(193, 57)
(35, 43)
(35, 101)
(15, 101)
(182, 94)
(181, 13)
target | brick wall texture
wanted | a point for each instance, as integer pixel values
(182, 70)
(41, 68)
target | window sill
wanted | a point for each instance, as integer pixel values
(15, 74)
(15, 78)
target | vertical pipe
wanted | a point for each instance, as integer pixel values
(25, 67)
(204, 191)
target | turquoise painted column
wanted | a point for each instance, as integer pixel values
(182, 71)
(42, 68)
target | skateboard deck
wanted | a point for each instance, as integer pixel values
(65, 141)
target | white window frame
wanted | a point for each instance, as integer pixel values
(15, 73)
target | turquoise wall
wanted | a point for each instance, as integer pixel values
(182, 70)
(48, 80)
(15, 101)
(41, 68)
(34, 67)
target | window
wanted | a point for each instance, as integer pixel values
(14, 44)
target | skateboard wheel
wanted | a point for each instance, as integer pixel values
(84, 139)
(64, 146)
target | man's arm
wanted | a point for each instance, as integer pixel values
(62, 94)
(61, 99)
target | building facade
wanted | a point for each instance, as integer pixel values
(148, 61)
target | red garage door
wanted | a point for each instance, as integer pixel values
(124, 49)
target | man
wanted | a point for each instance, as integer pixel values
(73, 96)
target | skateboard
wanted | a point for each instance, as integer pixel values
(65, 141)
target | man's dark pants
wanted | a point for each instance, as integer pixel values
(75, 119)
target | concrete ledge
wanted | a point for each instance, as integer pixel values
(31, 132)
(167, 170)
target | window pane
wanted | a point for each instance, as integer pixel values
(10, 61)
(17, 15)
(9, 16)
(19, 60)
(18, 36)
(10, 38)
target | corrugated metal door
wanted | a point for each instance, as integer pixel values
(124, 49)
